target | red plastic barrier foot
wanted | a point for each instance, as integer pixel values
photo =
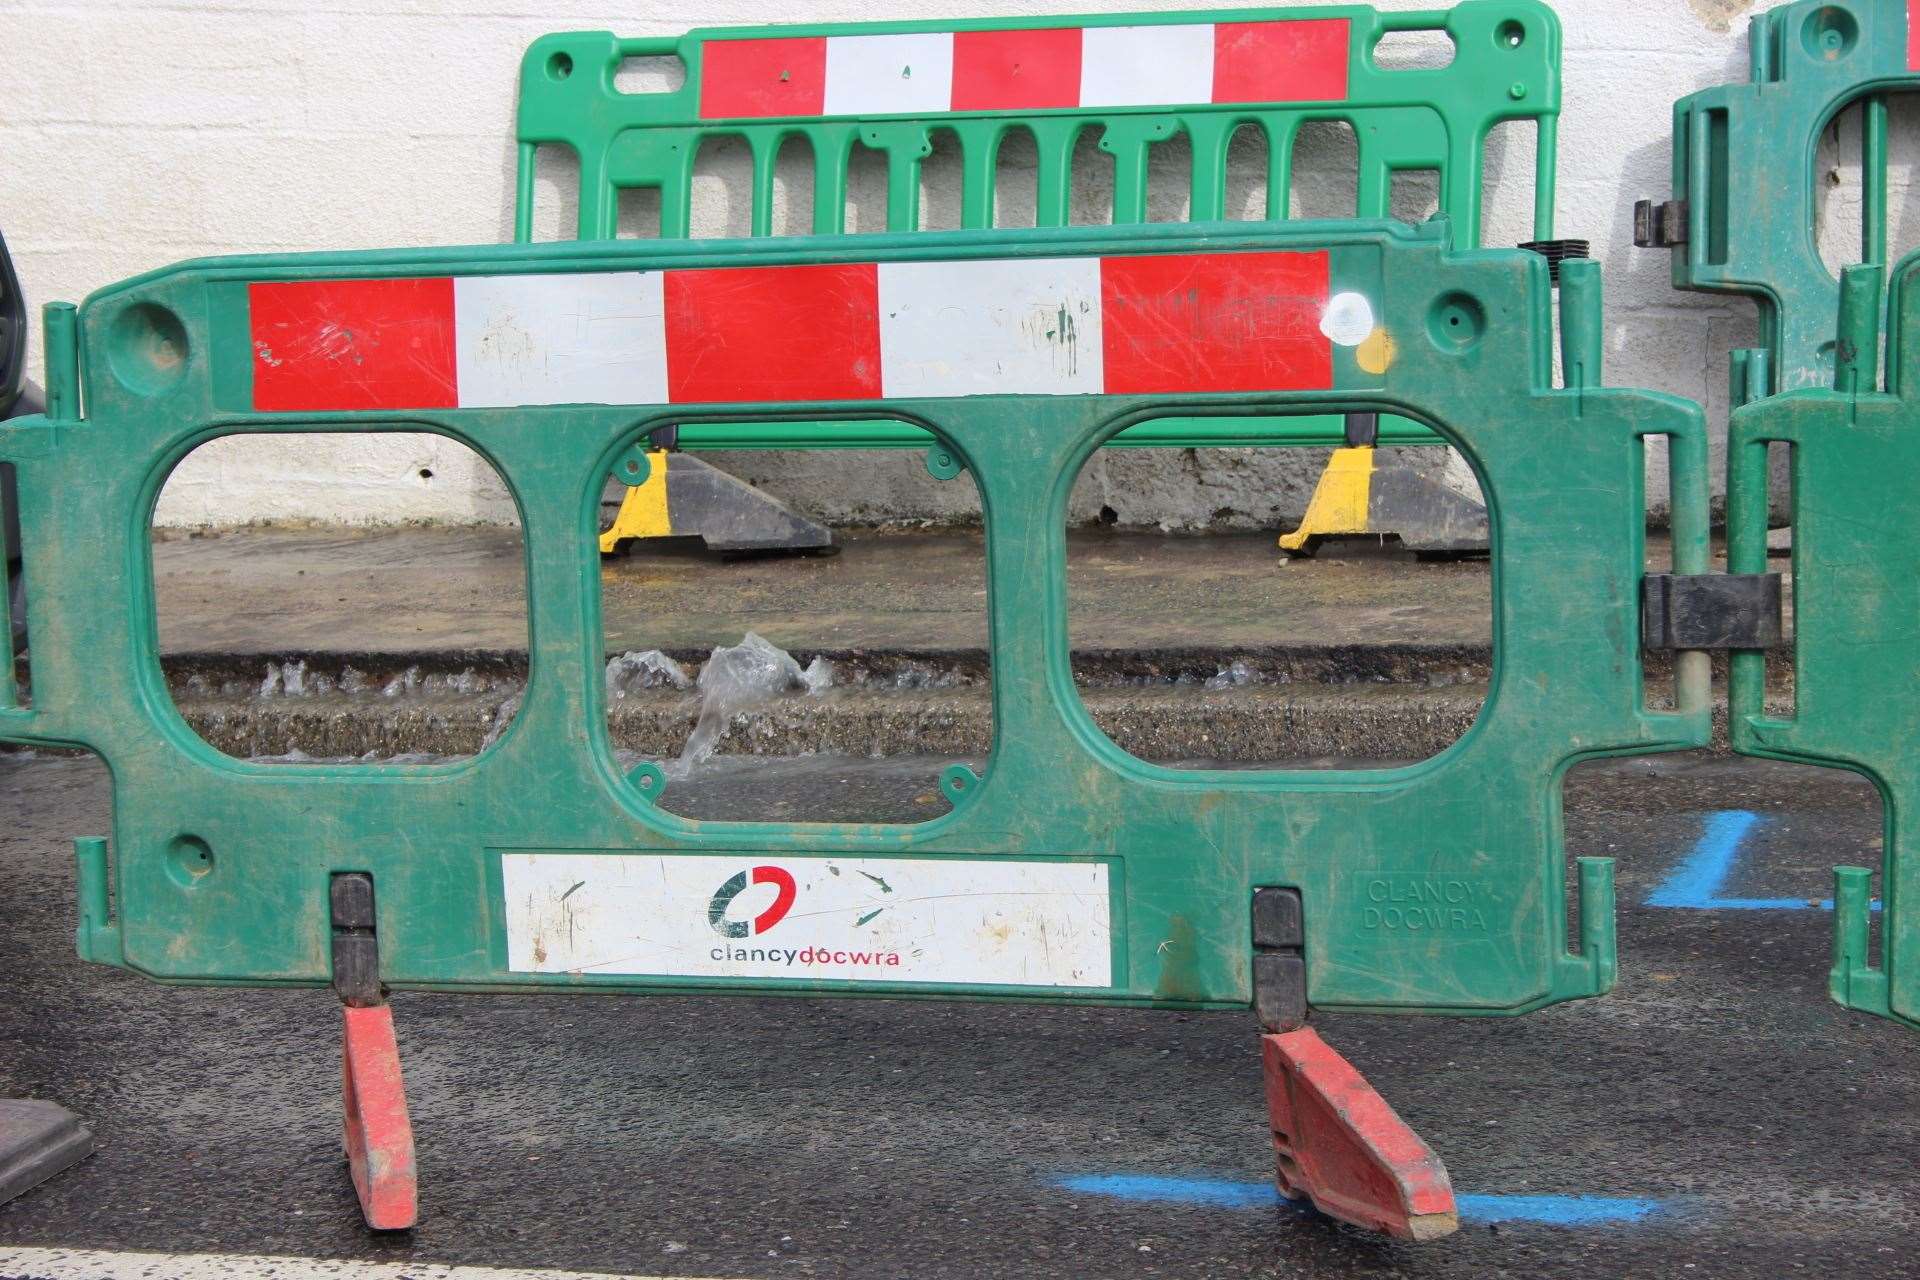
(379, 1136)
(1339, 1143)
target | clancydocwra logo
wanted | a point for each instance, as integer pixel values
(785, 890)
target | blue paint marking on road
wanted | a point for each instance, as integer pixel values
(1218, 1193)
(1697, 881)
(1222, 1193)
(1559, 1211)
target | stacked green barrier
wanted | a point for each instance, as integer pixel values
(1743, 213)
(1743, 222)
(1506, 66)
(1856, 594)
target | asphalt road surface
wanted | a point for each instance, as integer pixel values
(1715, 1116)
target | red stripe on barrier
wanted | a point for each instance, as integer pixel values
(1201, 322)
(1016, 70)
(353, 344)
(754, 78)
(1303, 61)
(1913, 35)
(742, 334)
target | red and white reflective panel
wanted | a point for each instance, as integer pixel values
(1174, 323)
(1913, 35)
(1037, 69)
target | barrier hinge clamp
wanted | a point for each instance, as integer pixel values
(1659, 226)
(1279, 965)
(1711, 611)
(356, 949)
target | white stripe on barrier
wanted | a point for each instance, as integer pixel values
(908, 74)
(1146, 66)
(1007, 327)
(560, 339)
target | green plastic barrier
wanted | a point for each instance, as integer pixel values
(1089, 875)
(1743, 222)
(1140, 79)
(1856, 588)
(1742, 218)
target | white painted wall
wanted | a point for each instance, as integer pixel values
(138, 132)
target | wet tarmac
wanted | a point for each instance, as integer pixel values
(1715, 1116)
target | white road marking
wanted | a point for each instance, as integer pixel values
(112, 1264)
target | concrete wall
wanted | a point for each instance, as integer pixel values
(141, 132)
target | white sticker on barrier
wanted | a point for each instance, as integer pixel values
(758, 916)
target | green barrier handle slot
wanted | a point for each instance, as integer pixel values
(650, 47)
(1707, 191)
(1412, 20)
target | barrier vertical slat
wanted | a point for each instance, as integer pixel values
(1054, 141)
(1873, 181)
(523, 202)
(765, 146)
(1283, 130)
(832, 153)
(1545, 164)
(979, 154)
